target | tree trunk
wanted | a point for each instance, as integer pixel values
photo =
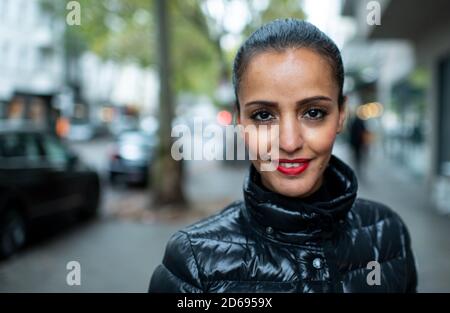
(167, 173)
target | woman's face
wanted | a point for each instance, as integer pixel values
(296, 90)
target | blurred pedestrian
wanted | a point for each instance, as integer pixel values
(360, 139)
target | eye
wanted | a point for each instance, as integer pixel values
(262, 116)
(315, 114)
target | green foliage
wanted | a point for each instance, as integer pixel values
(125, 30)
(276, 9)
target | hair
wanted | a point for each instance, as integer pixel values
(283, 34)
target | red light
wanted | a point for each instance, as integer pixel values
(224, 118)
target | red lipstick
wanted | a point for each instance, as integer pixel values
(292, 167)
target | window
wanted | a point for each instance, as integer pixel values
(4, 10)
(55, 152)
(12, 146)
(5, 54)
(19, 150)
(33, 152)
(45, 58)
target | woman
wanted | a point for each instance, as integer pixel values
(300, 228)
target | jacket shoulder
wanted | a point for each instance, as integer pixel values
(370, 212)
(371, 219)
(182, 266)
(389, 232)
(223, 226)
(179, 270)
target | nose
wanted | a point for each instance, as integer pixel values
(291, 138)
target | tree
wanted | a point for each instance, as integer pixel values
(213, 29)
(167, 171)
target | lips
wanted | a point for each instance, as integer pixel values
(292, 167)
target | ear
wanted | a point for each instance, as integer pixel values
(342, 115)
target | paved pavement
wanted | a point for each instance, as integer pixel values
(114, 256)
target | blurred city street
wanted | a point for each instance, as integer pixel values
(119, 251)
(94, 103)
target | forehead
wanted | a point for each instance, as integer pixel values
(291, 73)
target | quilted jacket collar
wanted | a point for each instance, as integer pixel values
(294, 220)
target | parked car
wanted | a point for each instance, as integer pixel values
(40, 177)
(123, 124)
(131, 156)
(81, 131)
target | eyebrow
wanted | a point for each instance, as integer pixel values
(299, 103)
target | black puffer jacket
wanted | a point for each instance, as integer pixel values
(271, 243)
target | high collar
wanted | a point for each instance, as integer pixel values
(291, 219)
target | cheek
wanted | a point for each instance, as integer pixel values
(259, 139)
(320, 139)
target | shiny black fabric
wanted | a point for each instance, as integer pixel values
(272, 243)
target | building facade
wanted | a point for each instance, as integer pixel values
(421, 96)
(31, 60)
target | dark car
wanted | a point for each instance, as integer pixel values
(132, 156)
(40, 177)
